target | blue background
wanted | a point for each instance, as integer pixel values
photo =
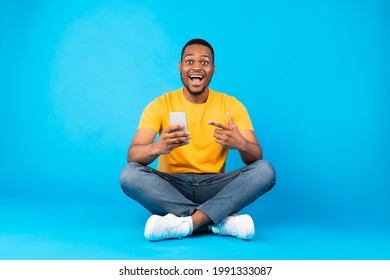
(76, 75)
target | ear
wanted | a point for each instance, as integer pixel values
(180, 66)
(214, 69)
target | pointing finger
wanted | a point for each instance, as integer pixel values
(217, 124)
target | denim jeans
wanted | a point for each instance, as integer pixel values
(216, 195)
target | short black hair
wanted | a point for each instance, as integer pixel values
(197, 41)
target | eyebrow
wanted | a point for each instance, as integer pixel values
(191, 54)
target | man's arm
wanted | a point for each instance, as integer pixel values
(251, 149)
(144, 150)
(245, 141)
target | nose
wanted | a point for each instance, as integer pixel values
(196, 66)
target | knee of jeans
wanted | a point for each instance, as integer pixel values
(128, 175)
(267, 170)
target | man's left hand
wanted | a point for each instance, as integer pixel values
(228, 135)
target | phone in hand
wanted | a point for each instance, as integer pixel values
(179, 118)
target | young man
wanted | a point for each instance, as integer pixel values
(190, 189)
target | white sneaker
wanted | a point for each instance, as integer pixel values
(240, 226)
(165, 227)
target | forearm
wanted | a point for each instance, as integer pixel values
(250, 152)
(142, 153)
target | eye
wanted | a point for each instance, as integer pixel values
(204, 63)
(189, 62)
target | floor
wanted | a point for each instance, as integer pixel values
(112, 228)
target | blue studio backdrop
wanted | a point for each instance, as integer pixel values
(76, 75)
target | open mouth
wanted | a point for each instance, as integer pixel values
(196, 78)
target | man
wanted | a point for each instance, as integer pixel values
(190, 190)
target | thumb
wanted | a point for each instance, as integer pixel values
(230, 120)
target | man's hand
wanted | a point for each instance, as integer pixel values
(228, 136)
(245, 141)
(144, 150)
(171, 138)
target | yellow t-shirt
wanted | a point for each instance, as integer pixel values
(202, 154)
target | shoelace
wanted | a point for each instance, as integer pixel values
(227, 227)
(173, 230)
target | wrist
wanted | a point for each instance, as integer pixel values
(244, 145)
(155, 151)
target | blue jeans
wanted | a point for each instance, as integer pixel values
(216, 195)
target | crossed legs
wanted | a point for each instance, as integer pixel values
(197, 199)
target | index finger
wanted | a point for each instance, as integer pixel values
(174, 127)
(217, 124)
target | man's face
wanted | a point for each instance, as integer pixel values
(196, 68)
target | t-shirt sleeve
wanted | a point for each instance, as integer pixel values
(151, 116)
(240, 115)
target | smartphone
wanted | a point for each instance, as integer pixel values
(179, 118)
